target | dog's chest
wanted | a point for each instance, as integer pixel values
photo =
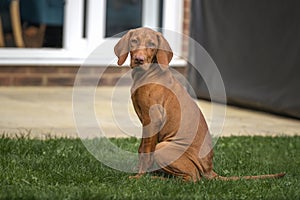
(153, 75)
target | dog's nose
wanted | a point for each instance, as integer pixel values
(139, 59)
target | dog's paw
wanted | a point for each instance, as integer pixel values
(136, 176)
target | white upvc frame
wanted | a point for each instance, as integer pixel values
(76, 48)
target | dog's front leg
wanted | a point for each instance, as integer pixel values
(152, 121)
(147, 147)
(146, 151)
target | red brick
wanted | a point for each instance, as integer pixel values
(43, 69)
(5, 81)
(180, 69)
(117, 70)
(13, 69)
(89, 70)
(27, 81)
(69, 70)
(61, 81)
(187, 4)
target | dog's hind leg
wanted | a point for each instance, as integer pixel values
(176, 164)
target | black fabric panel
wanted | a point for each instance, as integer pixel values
(256, 46)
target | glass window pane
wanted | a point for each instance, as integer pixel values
(39, 13)
(39, 23)
(122, 15)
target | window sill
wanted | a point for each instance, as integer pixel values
(71, 61)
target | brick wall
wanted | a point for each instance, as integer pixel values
(186, 26)
(56, 75)
(61, 75)
(37, 75)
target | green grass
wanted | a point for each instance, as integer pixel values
(64, 169)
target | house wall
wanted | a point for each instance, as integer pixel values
(24, 75)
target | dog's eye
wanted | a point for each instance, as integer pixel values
(151, 45)
(134, 41)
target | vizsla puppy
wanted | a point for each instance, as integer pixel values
(175, 138)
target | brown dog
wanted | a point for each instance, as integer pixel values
(175, 134)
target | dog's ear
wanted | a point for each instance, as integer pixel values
(164, 52)
(122, 48)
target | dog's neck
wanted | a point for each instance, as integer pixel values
(146, 72)
(149, 74)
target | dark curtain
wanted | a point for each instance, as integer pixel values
(256, 47)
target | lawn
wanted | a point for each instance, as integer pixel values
(64, 169)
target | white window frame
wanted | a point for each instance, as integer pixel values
(76, 48)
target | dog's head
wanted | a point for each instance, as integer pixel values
(145, 47)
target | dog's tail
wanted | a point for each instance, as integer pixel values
(266, 176)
